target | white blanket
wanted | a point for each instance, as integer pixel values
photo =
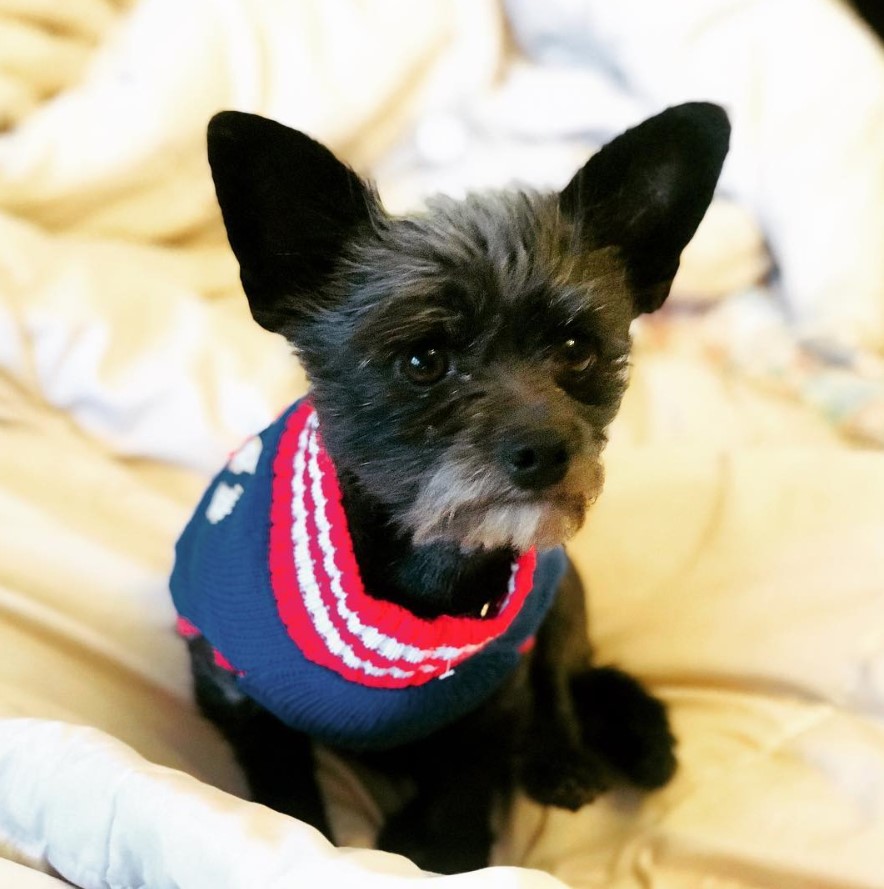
(736, 558)
(804, 85)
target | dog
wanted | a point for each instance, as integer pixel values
(381, 569)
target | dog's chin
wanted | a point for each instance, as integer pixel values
(515, 524)
(474, 505)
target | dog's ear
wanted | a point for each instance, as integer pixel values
(289, 206)
(646, 192)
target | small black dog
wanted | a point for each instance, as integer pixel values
(365, 572)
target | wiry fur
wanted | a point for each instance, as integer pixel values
(442, 481)
(467, 502)
(502, 296)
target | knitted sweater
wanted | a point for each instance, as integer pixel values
(265, 571)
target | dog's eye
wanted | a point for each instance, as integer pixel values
(424, 365)
(577, 353)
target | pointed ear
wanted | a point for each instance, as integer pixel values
(647, 190)
(289, 206)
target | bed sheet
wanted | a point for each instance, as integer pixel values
(735, 560)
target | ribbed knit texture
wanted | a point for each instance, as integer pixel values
(265, 571)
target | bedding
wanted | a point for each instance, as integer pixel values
(735, 560)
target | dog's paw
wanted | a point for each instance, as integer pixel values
(565, 778)
(626, 725)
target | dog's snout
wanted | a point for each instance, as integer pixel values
(536, 459)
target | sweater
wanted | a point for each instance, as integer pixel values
(265, 571)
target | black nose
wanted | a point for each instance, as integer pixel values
(536, 459)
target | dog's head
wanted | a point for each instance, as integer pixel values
(466, 362)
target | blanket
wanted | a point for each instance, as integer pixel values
(735, 559)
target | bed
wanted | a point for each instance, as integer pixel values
(735, 560)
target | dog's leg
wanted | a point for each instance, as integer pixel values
(460, 773)
(446, 827)
(557, 767)
(620, 729)
(626, 724)
(277, 761)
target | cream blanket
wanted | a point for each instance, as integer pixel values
(736, 558)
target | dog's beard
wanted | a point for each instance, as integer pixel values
(468, 502)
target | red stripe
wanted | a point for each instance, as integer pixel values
(351, 579)
(394, 620)
(398, 622)
(290, 603)
(225, 664)
(329, 599)
(283, 573)
(528, 645)
(191, 631)
(345, 561)
(308, 633)
(389, 619)
(186, 629)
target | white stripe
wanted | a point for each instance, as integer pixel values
(373, 639)
(307, 579)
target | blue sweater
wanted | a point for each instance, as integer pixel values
(265, 571)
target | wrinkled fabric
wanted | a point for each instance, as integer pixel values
(734, 561)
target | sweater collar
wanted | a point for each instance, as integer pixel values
(318, 589)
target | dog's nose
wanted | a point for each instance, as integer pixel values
(536, 459)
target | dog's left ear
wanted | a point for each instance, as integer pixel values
(646, 192)
(290, 207)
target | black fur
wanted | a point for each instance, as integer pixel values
(465, 364)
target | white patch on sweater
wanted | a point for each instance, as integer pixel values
(245, 460)
(223, 501)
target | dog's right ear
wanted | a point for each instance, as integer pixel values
(646, 192)
(289, 206)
